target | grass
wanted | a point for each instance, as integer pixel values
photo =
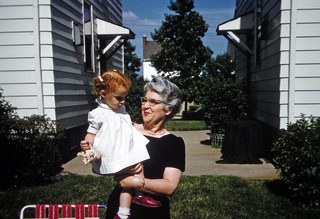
(196, 197)
(185, 125)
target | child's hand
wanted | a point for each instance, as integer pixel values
(137, 169)
(85, 145)
(89, 156)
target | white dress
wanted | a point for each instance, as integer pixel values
(118, 142)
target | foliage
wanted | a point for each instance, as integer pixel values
(132, 64)
(220, 67)
(297, 154)
(183, 54)
(7, 112)
(223, 99)
(30, 148)
(196, 197)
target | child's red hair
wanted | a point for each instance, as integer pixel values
(111, 80)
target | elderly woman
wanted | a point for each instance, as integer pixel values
(167, 153)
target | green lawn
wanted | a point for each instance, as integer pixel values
(196, 197)
(185, 125)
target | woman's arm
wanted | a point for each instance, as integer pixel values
(165, 186)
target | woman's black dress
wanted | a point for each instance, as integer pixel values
(167, 151)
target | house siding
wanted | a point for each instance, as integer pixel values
(18, 36)
(41, 70)
(286, 83)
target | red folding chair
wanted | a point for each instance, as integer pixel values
(55, 211)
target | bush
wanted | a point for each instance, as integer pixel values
(297, 155)
(30, 148)
(223, 101)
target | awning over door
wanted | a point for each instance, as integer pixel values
(232, 28)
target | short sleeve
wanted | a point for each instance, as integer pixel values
(177, 155)
(95, 122)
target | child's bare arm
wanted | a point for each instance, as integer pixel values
(89, 139)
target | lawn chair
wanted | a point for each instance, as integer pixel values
(55, 211)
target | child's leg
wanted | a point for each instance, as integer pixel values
(125, 199)
(124, 205)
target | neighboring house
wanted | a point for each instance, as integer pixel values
(50, 52)
(149, 48)
(278, 53)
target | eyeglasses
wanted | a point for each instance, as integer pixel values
(152, 101)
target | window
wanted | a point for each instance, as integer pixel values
(258, 33)
(88, 39)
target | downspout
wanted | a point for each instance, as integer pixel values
(37, 57)
(292, 61)
(248, 83)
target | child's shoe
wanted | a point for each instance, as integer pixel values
(117, 217)
(146, 201)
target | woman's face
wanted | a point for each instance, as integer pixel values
(156, 113)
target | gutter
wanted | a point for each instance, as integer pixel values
(37, 56)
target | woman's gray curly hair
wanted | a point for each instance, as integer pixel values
(171, 94)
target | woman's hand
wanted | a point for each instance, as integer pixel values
(129, 182)
(165, 186)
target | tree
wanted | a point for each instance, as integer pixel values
(223, 99)
(221, 67)
(132, 64)
(183, 54)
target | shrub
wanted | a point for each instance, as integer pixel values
(30, 148)
(297, 155)
(223, 101)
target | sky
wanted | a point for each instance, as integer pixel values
(143, 16)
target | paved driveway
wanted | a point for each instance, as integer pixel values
(200, 160)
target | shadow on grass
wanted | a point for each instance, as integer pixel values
(278, 187)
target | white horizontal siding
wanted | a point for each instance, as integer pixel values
(309, 43)
(18, 25)
(18, 64)
(24, 38)
(22, 101)
(48, 76)
(20, 77)
(15, 2)
(17, 12)
(49, 90)
(307, 97)
(14, 90)
(49, 101)
(51, 113)
(308, 30)
(312, 109)
(308, 16)
(310, 70)
(284, 71)
(17, 51)
(308, 57)
(309, 4)
(307, 84)
(22, 112)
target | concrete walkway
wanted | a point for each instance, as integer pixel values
(200, 160)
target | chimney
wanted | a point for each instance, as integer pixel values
(144, 41)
